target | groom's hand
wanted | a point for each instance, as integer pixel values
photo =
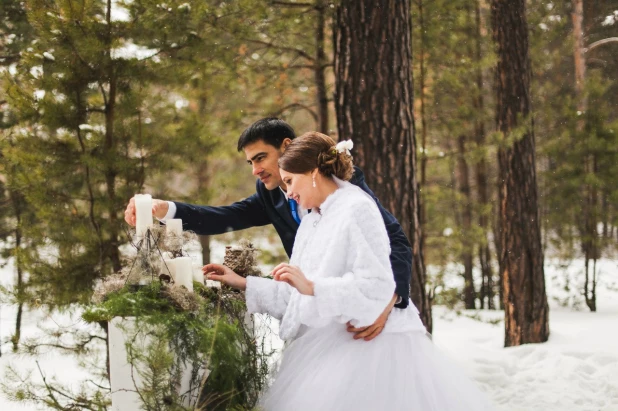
(371, 332)
(159, 210)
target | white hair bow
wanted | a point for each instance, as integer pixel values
(345, 145)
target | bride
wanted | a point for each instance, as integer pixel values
(340, 272)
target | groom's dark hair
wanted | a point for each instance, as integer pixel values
(271, 130)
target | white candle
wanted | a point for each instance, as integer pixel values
(198, 275)
(143, 213)
(174, 227)
(183, 270)
(167, 267)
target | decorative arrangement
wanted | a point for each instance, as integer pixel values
(242, 259)
(175, 344)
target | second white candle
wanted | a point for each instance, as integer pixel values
(183, 270)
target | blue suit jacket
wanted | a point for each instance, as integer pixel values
(271, 207)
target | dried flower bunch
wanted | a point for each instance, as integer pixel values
(179, 297)
(111, 284)
(242, 258)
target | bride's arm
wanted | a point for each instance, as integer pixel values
(363, 292)
(264, 295)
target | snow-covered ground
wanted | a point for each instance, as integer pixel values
(576, 370)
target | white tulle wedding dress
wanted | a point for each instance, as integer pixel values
(344, 250)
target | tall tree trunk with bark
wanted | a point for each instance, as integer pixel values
(589, 232)
(373, 101)
(463, 176)
(203, 174)
(18, 202)
(521, 255)
(111, 249)
(487, 291)
(579, 55)
(320, 66)
(423, 116)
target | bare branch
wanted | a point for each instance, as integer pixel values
(78, 347)
(600, 43)
(309, 66)
(297, 106)
(99, 386)
(49, 389)
(283, 48)
(287, 4)
(95, 110)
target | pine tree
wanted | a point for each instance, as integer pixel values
(521, 255)
(451, 58)
(373, 100)
(94, 124)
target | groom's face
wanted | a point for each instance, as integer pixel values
(263, 158)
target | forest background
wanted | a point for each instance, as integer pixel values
(104, 99)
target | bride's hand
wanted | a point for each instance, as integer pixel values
(293, 276)
(221, 273)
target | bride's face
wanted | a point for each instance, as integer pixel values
(300, 188)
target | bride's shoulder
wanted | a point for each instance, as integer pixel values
(356, 195)
(355, 201)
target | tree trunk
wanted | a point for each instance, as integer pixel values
(590, 235)
(20, 292)
(521, 255)
(466, 220)
(605, 215)
(320, 67)
(205, 242)
(373, 100)
(18, 203)
(591, 241)
(498, 245)
(203, 173)
(113, 243)
(579, 59)
(481, 170)
(423, 183)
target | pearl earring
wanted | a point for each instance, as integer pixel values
(313, 178)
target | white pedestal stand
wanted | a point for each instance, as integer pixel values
(125, 378)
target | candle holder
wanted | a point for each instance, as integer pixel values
(144, 317)
(146, 265)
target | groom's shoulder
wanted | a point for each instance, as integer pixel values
(358, 177)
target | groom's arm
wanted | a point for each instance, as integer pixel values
(208, 220)
(401, 251)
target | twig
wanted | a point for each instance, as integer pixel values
(286, 4)
(283, 48)
(600, 43)
(99, 386)
(49, 390)
(296, 105)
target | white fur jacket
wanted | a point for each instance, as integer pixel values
(344, 250)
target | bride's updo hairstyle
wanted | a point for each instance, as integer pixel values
(316, 150)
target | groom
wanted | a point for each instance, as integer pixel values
(263, 143)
